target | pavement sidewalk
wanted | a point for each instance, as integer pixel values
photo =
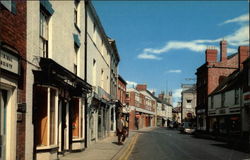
(106, 149)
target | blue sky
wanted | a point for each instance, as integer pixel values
(161, 43)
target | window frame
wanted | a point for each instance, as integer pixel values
(44, 37)
(48, 126)
(236, 96)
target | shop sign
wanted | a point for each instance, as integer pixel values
(9, 62)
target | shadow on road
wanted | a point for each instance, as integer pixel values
(233, 147)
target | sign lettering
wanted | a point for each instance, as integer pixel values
(8, 62)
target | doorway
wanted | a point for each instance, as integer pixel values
(3, 110)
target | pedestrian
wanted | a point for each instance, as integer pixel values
(120, 129)
(137, 123)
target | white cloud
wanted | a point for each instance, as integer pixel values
(176, 96)
(239, 37)
(148, 56)
(131, 84)
(174, 71)
(242, 18)
(177, 93)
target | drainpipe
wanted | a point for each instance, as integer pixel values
(85, 73)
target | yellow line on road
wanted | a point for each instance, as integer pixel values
(131, 147)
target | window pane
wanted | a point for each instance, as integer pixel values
(75, 122)
(40, 102)
(52, 115)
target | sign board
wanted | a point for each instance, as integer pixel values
(9, 62)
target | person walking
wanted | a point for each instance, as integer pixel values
(120, 129)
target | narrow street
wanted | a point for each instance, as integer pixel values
(166, 144)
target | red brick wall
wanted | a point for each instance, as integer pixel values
(211, 55)
(13, 33)
(141, 87)
(132, 120)
(243, 55)
(121, 92)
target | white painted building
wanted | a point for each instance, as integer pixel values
(224, 106)
(102, 63)
(56, 88)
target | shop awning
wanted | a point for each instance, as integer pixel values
(56, 75)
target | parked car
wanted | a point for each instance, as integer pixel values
(187, 127)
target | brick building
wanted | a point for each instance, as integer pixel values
(142, 107)
(12, 79)
(211, 74)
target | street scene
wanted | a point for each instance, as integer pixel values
(124, 80)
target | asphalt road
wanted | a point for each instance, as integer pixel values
(165, 144)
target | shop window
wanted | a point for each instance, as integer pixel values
(212, 102)
(44, 31)
(45, 102)
(76, 118)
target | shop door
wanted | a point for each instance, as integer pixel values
(3, 104)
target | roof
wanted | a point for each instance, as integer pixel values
(190, 90)
(121, 79)
(234, 80)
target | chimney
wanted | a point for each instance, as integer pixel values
(243, 55)
(141, 87)
(211, 55)
(223, 50)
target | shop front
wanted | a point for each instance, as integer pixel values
(201, 119)
(9, 107)
(59, 98)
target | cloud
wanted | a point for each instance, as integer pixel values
(237, 38)
(240, 19)
(177, 93)
(131, 84)
(176, 96)
(148, 56)
(174, 71)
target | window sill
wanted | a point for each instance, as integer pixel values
(78, 140)
(77, 28)
(47, 147)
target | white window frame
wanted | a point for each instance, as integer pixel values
(56, 119)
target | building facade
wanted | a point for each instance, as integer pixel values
(142, 107)
(211, 74)
(188, 97)
(12, 80)
(56, 78)
(228, 115)
(102, 63)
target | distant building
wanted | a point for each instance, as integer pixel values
(177, 113)
(188, 97)
(166, 97)
(142, 107)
